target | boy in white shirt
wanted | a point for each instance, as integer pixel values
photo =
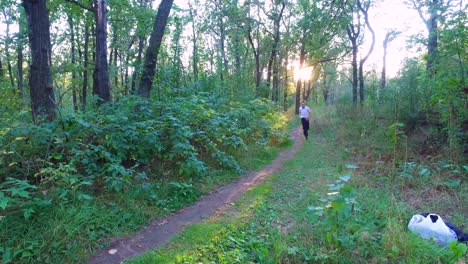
(304, 113)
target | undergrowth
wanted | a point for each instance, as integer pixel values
(346, 198)
(68, 186)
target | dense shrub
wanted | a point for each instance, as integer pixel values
(106, 148)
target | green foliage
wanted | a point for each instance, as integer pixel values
(231, 243)
(337, 213)
(155, 154)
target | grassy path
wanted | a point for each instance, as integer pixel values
(162, 230)
(280, 203)
(361, 221)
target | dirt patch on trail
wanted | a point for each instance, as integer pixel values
(162, 230)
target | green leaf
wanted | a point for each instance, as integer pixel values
(57, 156)
(351, 166)
(335, 187)
(4, 201)
(425, 173)
(27, 212)
(338, 205)
(19, 192)
(314, 208)
(83, 196)
(293, 250)
(345, 178)
(453, 184)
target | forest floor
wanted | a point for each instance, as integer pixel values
(161, 231)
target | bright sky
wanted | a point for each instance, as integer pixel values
(391, 14)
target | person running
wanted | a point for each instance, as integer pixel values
(304, 113)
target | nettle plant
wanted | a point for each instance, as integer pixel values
(80, 155)
(336, 211)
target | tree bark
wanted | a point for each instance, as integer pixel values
(7, 53)
(72, 55)
(286, 81)
(194, 44)
(276, 40)
(40, 79)
(353, 35)
(383, 78)
(19, 70)
(432, 28)
(301, 64)
(433, 40)
(222, 36)
(364, 10)
(20, 56)
(101, 70)
(257, 63)
(84, 89)
(151, 56)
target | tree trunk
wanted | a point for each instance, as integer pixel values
(222, 48)
(151, 56)
(432, 42)
(72, 55)
(19, 70)
(286, 81)
(84, 89)
(7, 53)
(274, 50)
(194, 44)
(276, 84)
(326, 89)
(257, 63)
(364, 10)
(40, 79)
(138, 66)
(353, 36)
(101, 70)
(20, 56)
(383, 78)
(301, 64)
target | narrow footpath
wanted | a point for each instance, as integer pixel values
(162, 230)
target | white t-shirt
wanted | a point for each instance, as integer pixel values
(304, 112)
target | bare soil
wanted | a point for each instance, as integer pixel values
(161, 231)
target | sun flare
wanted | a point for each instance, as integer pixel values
(303, 74)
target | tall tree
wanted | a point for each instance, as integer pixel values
(432, 25)
(7, 47)
(40, 77)
(354, 34)
(151, 55)
(364, 9)
(101, 69)
(253, 36)
(391, 35)
(301, 65)
(193, 16)
(71, 24)
(21, 40)
(272, 62)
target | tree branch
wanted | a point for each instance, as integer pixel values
(366, 19)
(81, 5)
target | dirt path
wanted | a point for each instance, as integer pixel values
(161, 231)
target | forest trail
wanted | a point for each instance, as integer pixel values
(161, 231)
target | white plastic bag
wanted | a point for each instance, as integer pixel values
(432, 227)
